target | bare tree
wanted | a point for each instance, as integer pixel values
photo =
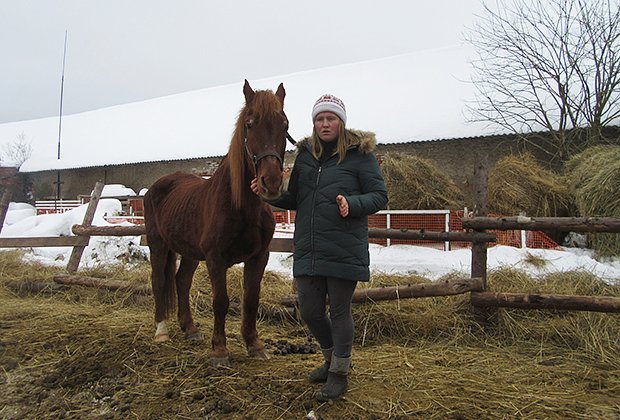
(17, 151)
(551, 65)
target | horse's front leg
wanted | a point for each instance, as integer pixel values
(217, 273)
(252, 277)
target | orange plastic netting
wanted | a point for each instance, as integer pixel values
(437, 223)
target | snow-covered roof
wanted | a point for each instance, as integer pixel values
(411, 97)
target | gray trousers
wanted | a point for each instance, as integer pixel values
(337, 330)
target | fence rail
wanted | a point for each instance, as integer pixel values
(546, 301)
(435, 221)
(566, 224)
(56, 206)
(43, 241)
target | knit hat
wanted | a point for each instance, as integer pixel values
(330, 103)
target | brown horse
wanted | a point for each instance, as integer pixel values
(220, 221)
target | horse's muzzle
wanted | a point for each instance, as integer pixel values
(269, 195)
(271, 187)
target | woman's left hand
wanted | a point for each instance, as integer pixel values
(343, 205)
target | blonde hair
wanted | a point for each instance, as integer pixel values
(345, 139)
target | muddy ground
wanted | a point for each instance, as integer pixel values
(91, 355)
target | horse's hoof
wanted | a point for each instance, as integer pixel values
(160, 338)
(220, 361)
(259, 354)
(197, 336)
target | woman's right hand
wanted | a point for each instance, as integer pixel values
(254, 186)
(343, 205)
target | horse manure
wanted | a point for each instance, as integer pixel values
(283, 347)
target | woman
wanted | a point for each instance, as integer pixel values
(334, 185)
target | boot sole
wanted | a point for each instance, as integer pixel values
(324, 398)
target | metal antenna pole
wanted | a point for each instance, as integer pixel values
(62, 89)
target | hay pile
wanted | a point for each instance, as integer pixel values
(417, 183)
(518, 184)
(594, 178)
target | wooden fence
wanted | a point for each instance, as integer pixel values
(479, 222)
(79, 243)
(476, 284)
(485, 298)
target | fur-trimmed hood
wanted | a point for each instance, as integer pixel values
(366, 141)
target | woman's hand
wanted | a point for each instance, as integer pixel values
(254, 186)
(343, 205)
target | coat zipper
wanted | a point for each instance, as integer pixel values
(318, 176)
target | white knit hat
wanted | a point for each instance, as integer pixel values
(329, 103)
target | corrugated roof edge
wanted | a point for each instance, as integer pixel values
(379, 143)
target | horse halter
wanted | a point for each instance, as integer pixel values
(257, 158)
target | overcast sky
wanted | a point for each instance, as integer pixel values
(121, 51)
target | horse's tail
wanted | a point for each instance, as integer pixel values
(163, 263)
(169, 295)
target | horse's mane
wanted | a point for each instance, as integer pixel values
(264, 105)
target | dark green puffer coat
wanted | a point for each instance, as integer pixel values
(327, 244)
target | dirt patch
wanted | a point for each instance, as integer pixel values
(91, 355)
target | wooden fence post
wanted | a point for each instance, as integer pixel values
(479, 249)
(76, 254)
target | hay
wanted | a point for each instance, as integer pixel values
(586, 334)
(12, 265)
(410, 320)
(594, 177)
(88, 353)
(518, 184)
(417, 183)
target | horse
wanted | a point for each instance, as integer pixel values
(219, 220)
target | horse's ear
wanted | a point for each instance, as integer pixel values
(248, 92)
(280, 93)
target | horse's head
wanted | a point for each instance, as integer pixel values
(265, 126)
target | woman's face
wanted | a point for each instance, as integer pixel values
(326, 125)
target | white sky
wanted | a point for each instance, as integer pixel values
(122, 51)
(400, 259)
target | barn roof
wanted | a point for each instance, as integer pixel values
(412, 97)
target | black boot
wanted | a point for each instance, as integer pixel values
(319, 374)
(337, 380)
(334, 388)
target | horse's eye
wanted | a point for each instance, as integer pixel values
(248, 123)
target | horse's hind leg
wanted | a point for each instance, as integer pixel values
(252, 277)
(163, 265)
(184, 283)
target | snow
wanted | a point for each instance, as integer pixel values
(410, 97)
(433, 263)
(116, 190)
(395, 259)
